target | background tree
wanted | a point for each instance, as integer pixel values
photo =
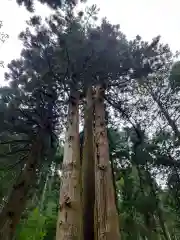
(3, 38)
(54, 4)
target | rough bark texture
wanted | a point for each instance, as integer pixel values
(162, 223)
(69, 224)
(106, 216)
(88, 175)
(11, 213)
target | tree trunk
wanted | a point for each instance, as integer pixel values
(88, 174)
(159, 209)
(170, 121)
(11, 213)
(148, 216)
(69, 224)
(114, 184)
(41, 206)
(106, 216)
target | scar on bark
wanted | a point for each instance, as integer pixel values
(10, 213)
(66, 202)
(60, 223)
(102, 167)
(21, 184)
(70, 139)
(101, 123)
(32, 166)
(73, 100)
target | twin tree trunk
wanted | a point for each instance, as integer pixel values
(88, 173)
(106, 215)
(87, 209)
(12, 211)
(69, 224)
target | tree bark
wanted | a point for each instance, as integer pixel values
(11, 213)
(88, 174)
(148, 217)
(69, 224)
(159, 208)
(41, 205)
(106, 216)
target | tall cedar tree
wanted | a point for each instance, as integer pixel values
(32, 117)
(69, 224)
(106, 215)
(88, 168)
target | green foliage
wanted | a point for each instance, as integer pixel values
(33, 228)
(40, 221)
(39, 225)
(175, 76)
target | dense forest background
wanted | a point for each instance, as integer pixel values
(71, 53)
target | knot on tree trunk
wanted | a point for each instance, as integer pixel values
(67, 200)
(19, 185)
(102, 167)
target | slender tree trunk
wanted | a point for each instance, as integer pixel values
(41, 206)
(114, 184)
(106, 216)
(148, 217)
(34, 195)
(170, 121)
(88, 174)
(69, 224)
(11, 213)
(159, 209)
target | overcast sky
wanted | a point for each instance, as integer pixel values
(147, 18)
